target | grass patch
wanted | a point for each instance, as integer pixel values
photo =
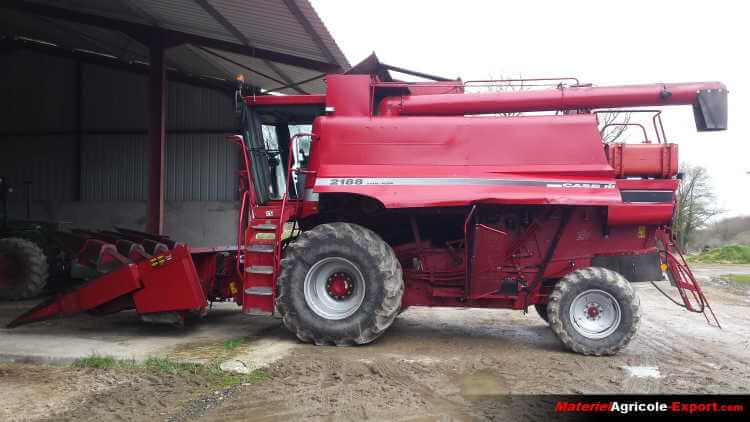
(737, 278)
(97, 361)
(234, 343)
(210, 371)
(732, 254)
(171, 366)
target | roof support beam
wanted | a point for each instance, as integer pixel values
(142, 32)
(114, 63)
(314, 78)
(223, 21)
(238, 64)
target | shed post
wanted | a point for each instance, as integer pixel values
(157, 110)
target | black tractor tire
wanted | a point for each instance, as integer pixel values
(541, 309)
(381, 277)
(24, 270)
(594, 280)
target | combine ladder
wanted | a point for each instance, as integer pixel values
(260, 246)
(258, 258)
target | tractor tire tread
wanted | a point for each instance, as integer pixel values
(588, 276)
(388, 268)
(33, 278)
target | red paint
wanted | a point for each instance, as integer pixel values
(643, 160)
(338, 285)
(566, 98)
(535, 197)
(592, 311)
(166, 282)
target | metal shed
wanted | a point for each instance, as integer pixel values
(115, 112)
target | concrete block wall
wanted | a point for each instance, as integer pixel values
(197, 223)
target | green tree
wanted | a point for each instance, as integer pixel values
(696, 203)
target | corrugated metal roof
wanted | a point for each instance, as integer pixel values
(291, 27)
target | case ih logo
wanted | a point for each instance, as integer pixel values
(582, 185)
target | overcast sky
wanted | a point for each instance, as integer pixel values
(599, 42)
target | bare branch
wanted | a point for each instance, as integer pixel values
(696, 203)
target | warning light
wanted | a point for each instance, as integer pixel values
(240, 78)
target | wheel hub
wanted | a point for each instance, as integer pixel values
(593, 310)
(340, 285)
(595, 314)
(334, 288)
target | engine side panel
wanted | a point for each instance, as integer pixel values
(448, 161)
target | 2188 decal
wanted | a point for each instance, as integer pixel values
(345, 181)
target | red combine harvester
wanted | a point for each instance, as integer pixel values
(425, 194)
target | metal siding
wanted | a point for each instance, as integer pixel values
(184, 15)
(114, 168)
(199, 109)
(198, 167)
(35, 98)
(113, 100)
(201, 168)
(48, 162)
(269, 24)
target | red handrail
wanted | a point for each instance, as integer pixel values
(248, 199)
(683, 277)
(285, 200)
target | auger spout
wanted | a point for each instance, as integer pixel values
(709, 101)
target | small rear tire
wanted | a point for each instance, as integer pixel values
(23, 269)
(594, 311)
(340, 284)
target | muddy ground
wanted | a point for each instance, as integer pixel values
(432, 364)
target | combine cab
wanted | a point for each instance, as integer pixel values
(382, 194)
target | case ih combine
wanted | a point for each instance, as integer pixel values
(425, 194)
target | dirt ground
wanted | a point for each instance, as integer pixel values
(432, 364)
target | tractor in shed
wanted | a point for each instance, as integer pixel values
(426, 194)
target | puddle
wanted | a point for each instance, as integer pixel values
(642, 371)
(482, 384)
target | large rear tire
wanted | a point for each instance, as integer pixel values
(594, 311)
(340, 284)
(23, 269)
(541, 309)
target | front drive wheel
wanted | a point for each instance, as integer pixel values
(23, 269)
(594, 311)
(339, 284)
